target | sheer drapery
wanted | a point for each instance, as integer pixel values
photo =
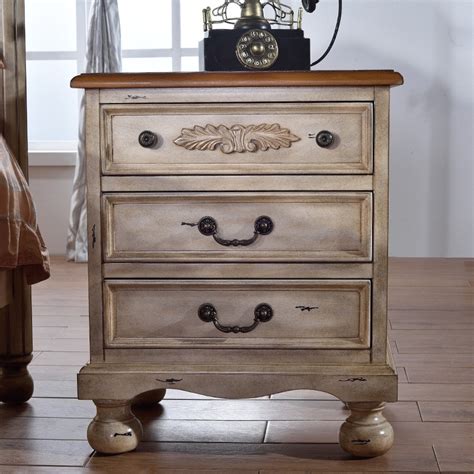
(104, 54)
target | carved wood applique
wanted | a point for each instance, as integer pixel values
(236, 139)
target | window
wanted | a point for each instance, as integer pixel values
(157, 35)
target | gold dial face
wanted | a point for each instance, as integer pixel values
(257, 49)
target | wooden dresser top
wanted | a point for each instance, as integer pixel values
(238, 79)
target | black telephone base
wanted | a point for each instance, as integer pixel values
(218, 51)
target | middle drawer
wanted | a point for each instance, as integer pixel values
(238, 227)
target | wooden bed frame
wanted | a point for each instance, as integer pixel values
(16, 345)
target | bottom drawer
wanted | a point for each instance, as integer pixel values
(302, 314)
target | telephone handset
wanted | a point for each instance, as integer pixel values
(254, 43)
(310, 5)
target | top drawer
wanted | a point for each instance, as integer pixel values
(236, 139)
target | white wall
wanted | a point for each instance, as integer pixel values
(431, 43)
(51, 187)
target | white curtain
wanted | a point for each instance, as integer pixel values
(104, 54)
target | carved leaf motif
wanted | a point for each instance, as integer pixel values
(236, 139)
(266, 136)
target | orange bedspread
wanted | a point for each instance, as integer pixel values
(21, 244)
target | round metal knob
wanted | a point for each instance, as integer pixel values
(207, 313)
(263, 313)
(263, 225)
(207, 226)
(148, 139)
(325, 139)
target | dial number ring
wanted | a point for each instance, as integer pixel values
(257, 49)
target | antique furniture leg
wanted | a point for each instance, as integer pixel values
(149, 399)
(16, 384)
(366, 433)
(115, 429)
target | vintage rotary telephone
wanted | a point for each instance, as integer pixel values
(254, 43)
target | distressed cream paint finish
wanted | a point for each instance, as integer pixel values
(323, 268)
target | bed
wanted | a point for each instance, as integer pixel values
(22, 250)
(21, 243)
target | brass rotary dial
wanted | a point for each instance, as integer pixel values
(257, 49)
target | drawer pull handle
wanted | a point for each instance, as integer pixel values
(208, 226)
(208, 313)
(325, 139)
(147, 139)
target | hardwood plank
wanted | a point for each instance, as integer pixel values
(303, 395)
(55, 389)
(427, 266)
(462, 412)
(61, 358)
(47, 333)
(43, 470)
(61, 345)
(50, 408)
(285, 457)
(55, 373)
(172, 394)
(419, 319)
(76, 333)
(439, 359)
(450, 299)
(420, 342)
(402, 375)
(416, 433)
(238, 410)
(273, 410)
(59, 310)
(438, 375)
(273, 471)
(44, 452)
(14, 427)
(79, 303)
(428, 280)
(436, 392)
(453, 457)
(199, 431)
(81, 321)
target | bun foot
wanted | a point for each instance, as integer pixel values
(115, 429)
(366, 433)
(149, 399)
(16, 384)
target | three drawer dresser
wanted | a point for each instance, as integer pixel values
(238, 243)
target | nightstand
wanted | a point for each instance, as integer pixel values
(238, 243)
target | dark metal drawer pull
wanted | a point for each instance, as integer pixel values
(208, 226)
(208, 313)
(325, 139)
(148, 139)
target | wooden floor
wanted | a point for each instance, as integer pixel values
(431, 319)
